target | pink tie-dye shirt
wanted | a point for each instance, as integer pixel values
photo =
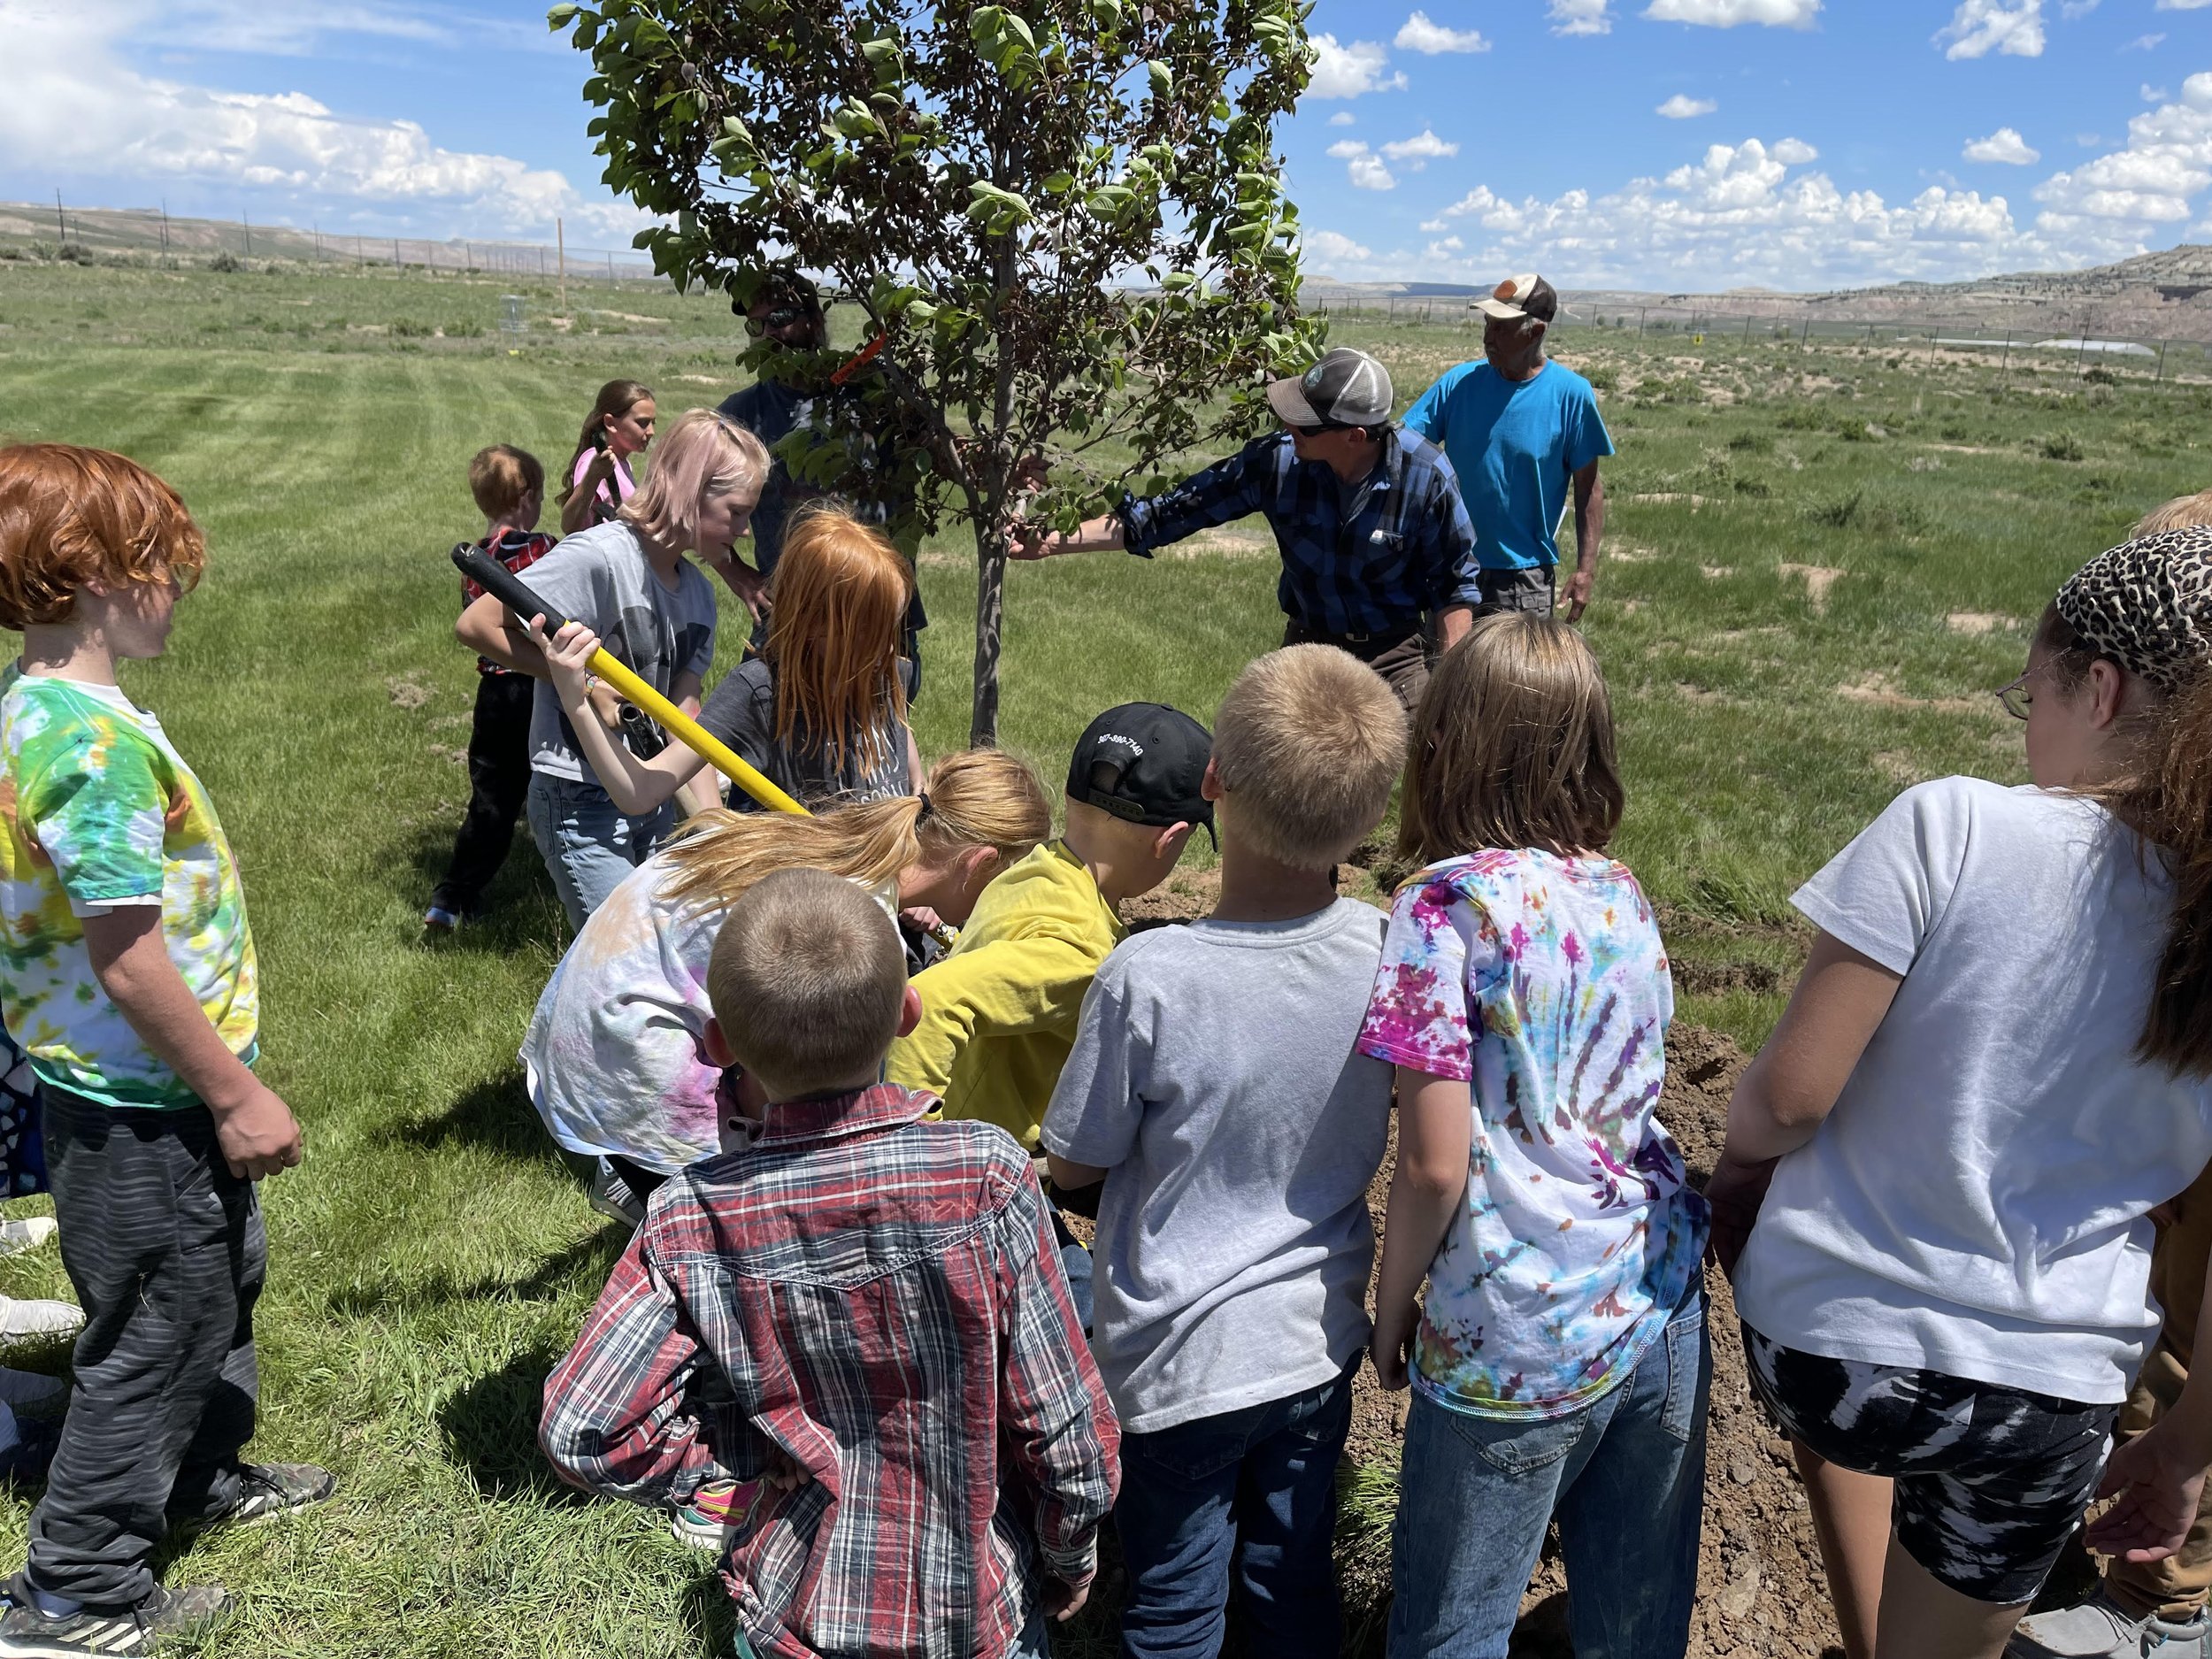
(1542, 980)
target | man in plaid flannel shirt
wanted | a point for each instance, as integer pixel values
(864, 1316)
(1379, 554)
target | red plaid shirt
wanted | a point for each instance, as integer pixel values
(518, 551)
(882, 1299)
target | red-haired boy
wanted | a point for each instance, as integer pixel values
(127, 974)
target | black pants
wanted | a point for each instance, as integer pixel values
(1400, 655)
(499, 778)
(165, 1249)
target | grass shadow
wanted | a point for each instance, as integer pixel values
(520, 910)
(710, 1615)
(490, 1428)
(594, 1258)
(494, 1114)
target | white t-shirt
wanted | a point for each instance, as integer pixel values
(1977, 1202)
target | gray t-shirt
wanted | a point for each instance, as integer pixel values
(741, 711)
(1214, 1074)
(1978, 1203)
(599, 577)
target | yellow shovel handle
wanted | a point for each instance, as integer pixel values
(701, 742)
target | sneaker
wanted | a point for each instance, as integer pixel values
(268, 1490)
(27, 1235)
(2099, 1629)
(31, 1389)
(438, 919)
(711, 1520)
(611, 1198)
(27, 1633)
(20, 1319)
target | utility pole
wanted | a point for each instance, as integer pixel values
(165, 226)
(560, 238)
(247, 225)
(2162, 363)
(395, 265)
(61, 225)
(610, 270)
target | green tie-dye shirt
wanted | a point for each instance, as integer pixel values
(99, 811)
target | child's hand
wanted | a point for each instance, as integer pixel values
(2159, 1485)
(1064, 1601)
(1734, 1193)
(568, 655)
(1393, 1350)
(257, 1134)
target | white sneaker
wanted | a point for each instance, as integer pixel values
(20, 1319)
(2099, 1629)
(611, 1198)
(27, 1235)
(30, 1389)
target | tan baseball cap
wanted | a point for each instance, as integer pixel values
(1521, 297)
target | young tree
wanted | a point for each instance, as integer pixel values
(1063, 220)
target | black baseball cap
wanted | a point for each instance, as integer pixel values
(1345, 388)
(1143, 762)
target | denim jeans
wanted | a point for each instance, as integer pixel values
(1256, 1488)
(589, 847)
(1625, 1477)
(1032, 1643)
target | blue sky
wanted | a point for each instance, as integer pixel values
(1656, 144)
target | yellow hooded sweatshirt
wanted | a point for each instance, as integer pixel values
(999, 1012)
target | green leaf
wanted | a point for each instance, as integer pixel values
(1163, 78)
(560, 15)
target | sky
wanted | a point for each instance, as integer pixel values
(1668, 144)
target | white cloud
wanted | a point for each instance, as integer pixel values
(1417, 152)
(1682, 108)
(1792, 152)
(1580, 17)
(2071, 9)
(2182, 5)
(1335, 248)
(1343, 118)
(1347, 70)
(1363, 166)
(1981, 27)
(1418, 35)
(77, 109)
(2005, 145)
(2153, 95)
(1726, 14)
(2167, 162)
(2143, 43)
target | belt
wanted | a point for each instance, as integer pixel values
(1388, 635)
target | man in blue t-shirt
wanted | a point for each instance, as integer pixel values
(1518, 430)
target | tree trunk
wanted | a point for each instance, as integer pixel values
(990, 619)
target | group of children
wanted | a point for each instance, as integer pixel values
(853, 1343)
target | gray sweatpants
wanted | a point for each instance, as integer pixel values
(165, 1249)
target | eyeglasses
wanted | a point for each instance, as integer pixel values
(2016, 697)
(777, 320)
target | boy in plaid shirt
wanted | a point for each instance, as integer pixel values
(902, 1377)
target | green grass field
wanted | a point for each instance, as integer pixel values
(1818, 566)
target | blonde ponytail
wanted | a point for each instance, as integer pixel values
(982, 798)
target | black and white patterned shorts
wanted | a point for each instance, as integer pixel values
(1990, 1481)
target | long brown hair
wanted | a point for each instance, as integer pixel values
(841, 592)
(2164, 795)
(617, 398)
(1512, 747)
(982, 798)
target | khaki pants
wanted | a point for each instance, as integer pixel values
(2176, 1587)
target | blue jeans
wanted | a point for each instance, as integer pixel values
(1625, 1479)
(1032, 1643)
(1075, 1263)
(1263, 1478)
(589, 847)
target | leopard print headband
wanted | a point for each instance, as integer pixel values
(2147, 604)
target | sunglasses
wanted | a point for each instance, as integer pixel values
(2016, 698)
(777, 320)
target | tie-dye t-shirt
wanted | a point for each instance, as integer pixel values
(613, 1056)
(1542, 980)
(99, 811)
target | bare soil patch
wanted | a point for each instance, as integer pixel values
(1880, 691)
(1977, 622)
(1818, 580)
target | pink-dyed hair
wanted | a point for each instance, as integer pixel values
(703, 454)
